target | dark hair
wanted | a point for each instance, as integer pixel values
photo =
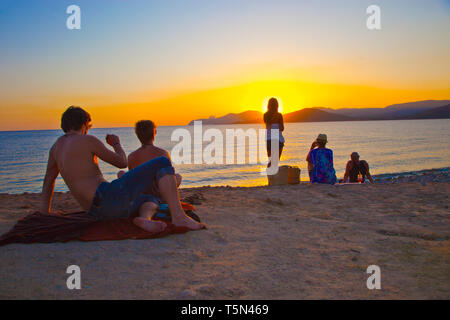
(272, 111)
(74, 118)
(272, 105)
(145, 130)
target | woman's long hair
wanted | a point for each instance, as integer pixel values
(272, 110)
(272, 106)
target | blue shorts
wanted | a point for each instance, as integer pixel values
(123, 197)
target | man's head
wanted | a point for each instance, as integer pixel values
(75, 119)
(354, 156)
(145, 131)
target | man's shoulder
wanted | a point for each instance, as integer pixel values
(162, 152)
(155, 151)
(158, 152)
(90, 137)
(134, 153)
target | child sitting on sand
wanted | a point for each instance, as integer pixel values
(146, 131)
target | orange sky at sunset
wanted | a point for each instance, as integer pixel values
(188, 60)
(182, 108)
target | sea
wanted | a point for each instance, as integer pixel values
(390, 147)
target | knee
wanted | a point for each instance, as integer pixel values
(162, 162)
(179, 178)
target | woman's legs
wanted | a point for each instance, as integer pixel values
(281, 145)
(269, 151)
(168, 188)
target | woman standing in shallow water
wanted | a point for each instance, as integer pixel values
(274, 120)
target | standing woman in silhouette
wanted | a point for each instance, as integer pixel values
(274, 120)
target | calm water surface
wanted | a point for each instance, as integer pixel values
(388, 146)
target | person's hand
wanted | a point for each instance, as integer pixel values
(313, 145)
(112, 139)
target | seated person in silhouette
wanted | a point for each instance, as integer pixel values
(75, 156)
(320, 162)
(357, 170)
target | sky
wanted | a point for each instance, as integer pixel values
(179, 60)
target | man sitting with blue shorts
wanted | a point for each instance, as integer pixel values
(74, 156)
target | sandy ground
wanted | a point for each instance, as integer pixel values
(285, 242)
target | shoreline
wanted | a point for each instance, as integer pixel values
(419, 176)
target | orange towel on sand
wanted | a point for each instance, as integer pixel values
(46, 228)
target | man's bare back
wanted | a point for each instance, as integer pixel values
(145, 153)
(74, 156)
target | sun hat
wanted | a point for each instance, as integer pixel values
(322, 138)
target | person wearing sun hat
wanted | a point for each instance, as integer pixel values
(320, 162)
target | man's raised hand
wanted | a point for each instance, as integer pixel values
(112, 139)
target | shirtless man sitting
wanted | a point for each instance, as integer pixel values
(74, 155)
(355, 168)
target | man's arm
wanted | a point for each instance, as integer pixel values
(118, 158)
(49, 183)
(367, 172)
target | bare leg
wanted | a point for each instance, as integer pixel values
(144, 221)
(147, 210)
(168, 188)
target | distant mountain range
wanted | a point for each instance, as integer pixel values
(427, 109)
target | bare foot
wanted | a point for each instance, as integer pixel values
(149, 225)
(148, 209)
(182, 220)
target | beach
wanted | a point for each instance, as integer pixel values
(281, 242)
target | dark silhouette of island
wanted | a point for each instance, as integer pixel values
(427, 109)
